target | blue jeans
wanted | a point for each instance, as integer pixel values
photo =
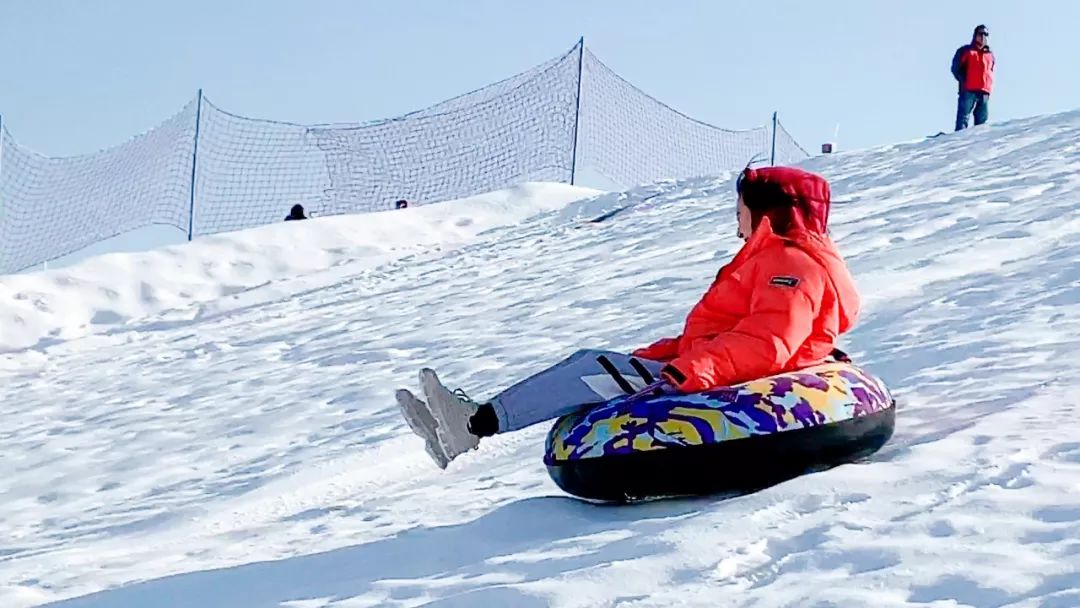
(565, 387)
(968, 101)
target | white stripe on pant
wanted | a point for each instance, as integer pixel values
(563, 388)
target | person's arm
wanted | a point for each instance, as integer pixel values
(783, 307)
(959, 64)
(664, 349)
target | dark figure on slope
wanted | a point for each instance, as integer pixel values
(296, 213)
(973, 68)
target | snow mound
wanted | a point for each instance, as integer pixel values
(116, 289)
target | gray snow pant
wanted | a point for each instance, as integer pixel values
(565, 387)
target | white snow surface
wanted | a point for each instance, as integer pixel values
(213, 425)
(277, 260)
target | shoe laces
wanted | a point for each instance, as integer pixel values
(460, 394)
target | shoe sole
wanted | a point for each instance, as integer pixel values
(429, 382)
(415, 413)
(423, 424)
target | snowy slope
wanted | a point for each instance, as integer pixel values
(278, 259)
(246, 451)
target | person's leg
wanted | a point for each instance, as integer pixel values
(563, 388)
(460, 422)
(982, 108)
(965, 102)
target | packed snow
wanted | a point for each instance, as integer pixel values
(275, 261)
(213, 424)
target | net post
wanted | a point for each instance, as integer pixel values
(772, 157)
(1, 157)
(194, 166)
(577, 110)
(2, 206)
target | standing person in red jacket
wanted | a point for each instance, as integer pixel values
(778, 306)
(973, 68)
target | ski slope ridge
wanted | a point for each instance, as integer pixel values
(124, 288)
(251, 455)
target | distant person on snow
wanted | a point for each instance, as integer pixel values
(973, 68)
(402, 204)
(296, 213)
(778, 306)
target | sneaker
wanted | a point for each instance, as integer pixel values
(451, 411)
(422, 423)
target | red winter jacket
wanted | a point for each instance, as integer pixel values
(778, 306)
(973, 68)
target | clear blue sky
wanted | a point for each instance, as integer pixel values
(80, 75)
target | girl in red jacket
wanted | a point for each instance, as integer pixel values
(778, 306)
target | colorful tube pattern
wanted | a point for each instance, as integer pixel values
(828, 393)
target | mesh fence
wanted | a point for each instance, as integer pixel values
(631, 138)
(250, 172)
(50, 207)
(486, 141)
(787, 150)
(549, 123)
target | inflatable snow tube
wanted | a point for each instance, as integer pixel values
(732, 439)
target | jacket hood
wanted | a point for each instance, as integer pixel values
(773, 191)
